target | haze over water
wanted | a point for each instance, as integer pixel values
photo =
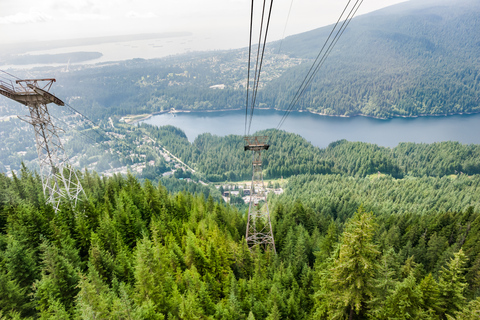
(322, 130)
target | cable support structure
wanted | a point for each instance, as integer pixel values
(322, 56)
(95, 127)
(60, 181)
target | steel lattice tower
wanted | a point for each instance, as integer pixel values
(59, 179)
(259, 226)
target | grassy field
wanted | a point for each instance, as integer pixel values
(137, 117)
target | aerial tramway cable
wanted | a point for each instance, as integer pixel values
(285, 28)
(248, 72)
(258, 64)
(10, 74)
(260, 67)
(316, 65)
(252, 106)
(73, 128)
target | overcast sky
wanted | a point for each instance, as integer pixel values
(34, 20)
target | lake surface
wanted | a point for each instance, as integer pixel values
(322, 130)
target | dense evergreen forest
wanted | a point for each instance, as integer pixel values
(136, 251)
(223, 158)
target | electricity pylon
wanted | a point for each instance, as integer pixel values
(259, 226)
(59, 179)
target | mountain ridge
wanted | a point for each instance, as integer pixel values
(409, 59)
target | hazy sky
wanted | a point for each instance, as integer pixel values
(30, 20)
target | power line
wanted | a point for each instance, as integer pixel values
(259, 62)
(312, 69)
(75, 110)
(5, 78)
(93, 125)
(248, 72)
(316, 65)
(285, 28)
(256, 64)
(97, 127)
(10, 74)
(70, 126)
(121, 143)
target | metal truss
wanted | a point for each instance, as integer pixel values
(259, 226)
(59, 179)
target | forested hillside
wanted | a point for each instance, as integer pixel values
(223, 158)
(135, 251)
(414, 58)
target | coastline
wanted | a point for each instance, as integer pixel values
(388, 118)
(177, 111)
(308, 111)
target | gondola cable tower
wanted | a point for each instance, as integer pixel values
(259, 227)
(59, 179)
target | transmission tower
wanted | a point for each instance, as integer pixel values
(59, 179)
(259, 226)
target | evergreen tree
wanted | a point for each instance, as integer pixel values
(354, 269)
(384, 283)
(56, 290)
(405, 301)
(452, 283)
(471, 311)
(431, 301)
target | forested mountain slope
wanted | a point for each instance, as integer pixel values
(135, 251)
(223, 158)
(420, 57)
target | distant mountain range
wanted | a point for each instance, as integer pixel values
(419, 57)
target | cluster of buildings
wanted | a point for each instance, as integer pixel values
(232, 190)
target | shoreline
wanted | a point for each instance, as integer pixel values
(311, 112)
(388, 118)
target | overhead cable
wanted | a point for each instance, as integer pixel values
(70, 126)
(260, 68)
(258, 65)
(10, 74)
(248, 72)
(321, 57)
(285, 28)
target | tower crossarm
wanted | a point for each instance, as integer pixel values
(29, 92)
(47, 96)
(256, 143)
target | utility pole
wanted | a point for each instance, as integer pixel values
(259, 226)
(59, 179)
